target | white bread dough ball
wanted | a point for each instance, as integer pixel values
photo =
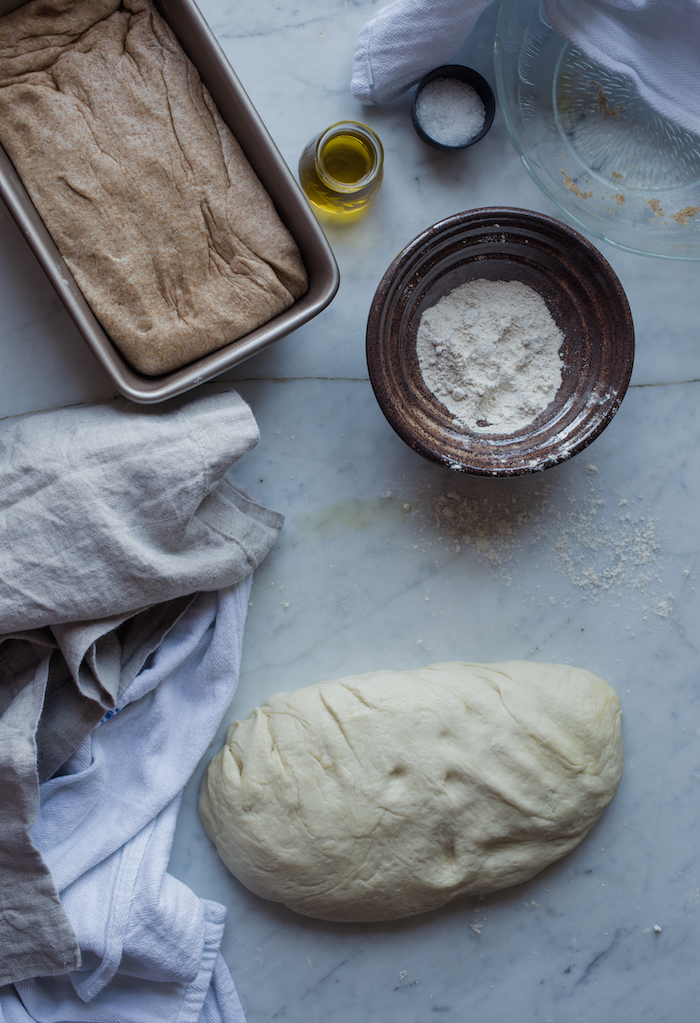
(384, 795)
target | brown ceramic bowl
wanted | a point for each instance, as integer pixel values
(584, 297)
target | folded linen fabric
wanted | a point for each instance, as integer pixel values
(149, 946)
(112, 518)
(128, 502)
(655, 43)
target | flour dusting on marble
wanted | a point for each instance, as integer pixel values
(598, 545)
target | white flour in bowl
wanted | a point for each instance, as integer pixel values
(489, 351)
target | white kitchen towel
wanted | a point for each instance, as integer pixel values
(127, 998)
(149, 946)
(655, 43)
(405, 40)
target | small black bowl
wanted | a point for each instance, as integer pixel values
(462, 74)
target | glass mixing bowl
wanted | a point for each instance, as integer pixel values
(614, 166)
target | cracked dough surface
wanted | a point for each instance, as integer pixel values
(384, 795)
(167, 230)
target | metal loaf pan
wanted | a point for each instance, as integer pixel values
(235, 107)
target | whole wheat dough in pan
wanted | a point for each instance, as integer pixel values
(167, 230)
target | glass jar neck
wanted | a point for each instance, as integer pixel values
(372, 146)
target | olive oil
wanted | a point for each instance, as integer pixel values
(340, 169)
(348, 158)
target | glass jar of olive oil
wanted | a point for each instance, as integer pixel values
(340, 169)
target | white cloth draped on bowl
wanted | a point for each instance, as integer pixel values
(655, 43)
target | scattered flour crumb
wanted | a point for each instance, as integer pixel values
(597, 549)
(479, 921)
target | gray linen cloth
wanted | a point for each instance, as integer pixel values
(112, 517)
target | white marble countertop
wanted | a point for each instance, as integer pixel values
(387, 560)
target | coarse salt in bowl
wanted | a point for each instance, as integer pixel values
(586, 302)
(453, 107)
